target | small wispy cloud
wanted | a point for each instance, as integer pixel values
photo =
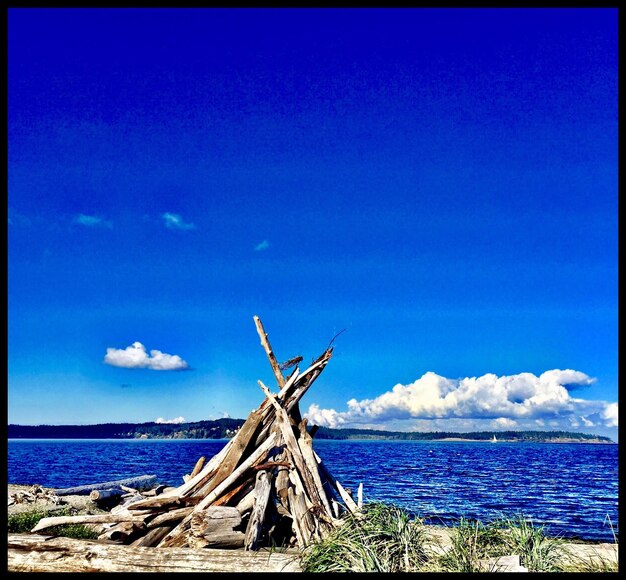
(135, 356)
(17, 219)
(175, 421)
(92, 221)
(262, 246)
(174, 221)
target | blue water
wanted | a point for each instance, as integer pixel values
(569, 488)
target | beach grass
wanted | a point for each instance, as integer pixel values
(384, 538)
(381, 539)
(24, 522)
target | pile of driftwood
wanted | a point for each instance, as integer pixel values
(32, 495)
(266, 487)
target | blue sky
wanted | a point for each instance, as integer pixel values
(440, 183)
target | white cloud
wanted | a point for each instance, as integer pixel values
(504, 423)
(610, 415)
(262, 246)
(174, 221)
(135, 356)
(175, 421)
(91, 221)
(523, 401)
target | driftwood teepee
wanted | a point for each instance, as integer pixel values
(267, 486)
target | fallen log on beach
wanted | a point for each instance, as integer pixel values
(106, 495)
(46, 554)
(143, 482)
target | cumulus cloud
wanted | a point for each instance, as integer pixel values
(91, 221)
(504, 423)
(174, 221)
(262, 246)
(135, 356)
(523, 401)
(175, 421)
(610, 415)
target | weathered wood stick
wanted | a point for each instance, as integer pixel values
(224, 499)
(161, 502)
(295, 524)
(292, 445)
(241, 442)
(176, 533)
(265, 343)
(256, 455)
(359, 496)
(153, 537)
(231, 539)
(303, 515)
(28, 553)
(305, 443)
(45, 523)
(311, 375)
(352, 507)
(198, 466)
(102, 495)
(122, 532)
(205, 474)
(246, 503)
(215, 519)
(170, 516)
(268, 409)
(271, 465)
(301, 390)
(290, 363)
(128, 489)
(141, 482)
(335, 507)
(255, 524)
(158, 490)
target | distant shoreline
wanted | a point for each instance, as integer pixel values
(226, 428)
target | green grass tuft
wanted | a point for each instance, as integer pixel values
(24, 522)
(383, 539)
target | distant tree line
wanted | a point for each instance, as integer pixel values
(210, 429)
(226, 428)
(327, 433)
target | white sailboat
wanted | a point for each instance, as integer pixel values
(494, 440)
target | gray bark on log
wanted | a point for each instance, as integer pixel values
(153, 537)
(45, 523)
(170, 517)
(215, 519)
(45, 554)
(292, 446)
(258, 454)
(306, 447)
(122, 532)
(103, 495)
(255, 524)
(141, 482)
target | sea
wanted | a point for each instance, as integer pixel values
(569, 488)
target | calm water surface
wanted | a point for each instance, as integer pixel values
(570, 488)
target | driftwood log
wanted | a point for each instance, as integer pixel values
(46, 554)
(104, 496)
(137, 483)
